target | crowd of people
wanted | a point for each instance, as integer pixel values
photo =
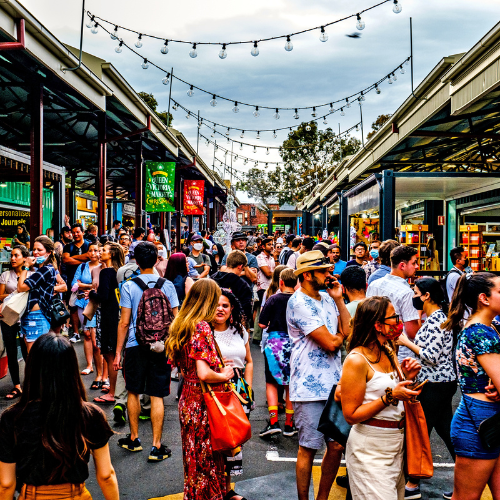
(323, 324)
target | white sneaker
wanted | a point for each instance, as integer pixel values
(64, 331)
(76, 338)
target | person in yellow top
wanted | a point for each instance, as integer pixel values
(432, 256)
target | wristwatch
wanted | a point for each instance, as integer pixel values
(25, 268)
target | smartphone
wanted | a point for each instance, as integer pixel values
(419, 385)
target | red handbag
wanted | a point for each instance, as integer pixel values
(229, 425)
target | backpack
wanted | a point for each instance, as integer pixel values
(286, 256)
(154, 316)
(442, 283)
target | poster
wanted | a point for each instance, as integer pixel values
(10, 218)
(160, 177)
(194, 194)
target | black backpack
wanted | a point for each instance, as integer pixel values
(442, 283)
(286, 256)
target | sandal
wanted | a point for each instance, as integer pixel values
(231, 494)
(96, 385)
(101, 400)
(105, 388)
(15, 393)
(87, 371)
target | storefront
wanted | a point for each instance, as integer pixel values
(86, 209)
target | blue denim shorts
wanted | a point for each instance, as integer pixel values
(464, 435)
(33, 325)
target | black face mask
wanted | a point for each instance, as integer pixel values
(418, 303)
(466, 263)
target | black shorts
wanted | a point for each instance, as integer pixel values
(146, 372)
(269, 376)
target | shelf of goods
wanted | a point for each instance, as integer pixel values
(415, 235)
(471, 238)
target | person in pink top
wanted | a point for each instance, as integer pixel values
(267, 263)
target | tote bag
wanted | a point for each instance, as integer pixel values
(14, 306)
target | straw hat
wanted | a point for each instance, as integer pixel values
(312, 261)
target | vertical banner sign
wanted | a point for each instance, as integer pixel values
(160, 177)
(194, 192)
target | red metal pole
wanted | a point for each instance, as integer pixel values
(139, 186)
(36, 166)
(101, 195)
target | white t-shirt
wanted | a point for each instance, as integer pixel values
(313, 371)
(232, 345)
(292, 261)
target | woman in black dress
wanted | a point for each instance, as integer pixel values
(112, 258)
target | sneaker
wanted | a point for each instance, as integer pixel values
(413, 493)
(343, 481)
(159, 454)
(145, 414)
(447, 494)
(76, 338)
(119, 414)
(64, 331)
(270, 430)
(130, 445)
(290, 430)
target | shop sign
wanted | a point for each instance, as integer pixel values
(440, 220)
(194, 194)
(160, 177)
(9, 220)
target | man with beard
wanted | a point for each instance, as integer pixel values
(318, 323)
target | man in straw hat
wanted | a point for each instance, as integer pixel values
(318, 323)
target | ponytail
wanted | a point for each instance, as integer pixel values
(466, 295)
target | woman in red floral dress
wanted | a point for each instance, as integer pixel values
(191, 346)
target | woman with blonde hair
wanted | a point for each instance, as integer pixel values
(191, 347)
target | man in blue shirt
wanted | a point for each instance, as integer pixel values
(339, 263)
(147, 372)
(384, 252)
(249, 273)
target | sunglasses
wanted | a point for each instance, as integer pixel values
(396, 317)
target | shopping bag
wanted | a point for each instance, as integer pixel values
(13, 307)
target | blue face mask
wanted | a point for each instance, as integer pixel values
(215, 252)
(374, 254)
(40, 260)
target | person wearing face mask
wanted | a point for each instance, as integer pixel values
(434, 349)
(371, 266)
(372, 402)
(202, 260)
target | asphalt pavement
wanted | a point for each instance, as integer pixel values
(269, 465)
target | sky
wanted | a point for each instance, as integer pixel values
(312, 73)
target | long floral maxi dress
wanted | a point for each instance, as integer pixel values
(204, 477)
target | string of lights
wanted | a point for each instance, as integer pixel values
(96, 21)
(346, 101)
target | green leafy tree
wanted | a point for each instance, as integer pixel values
(377, 125)
(150, 100)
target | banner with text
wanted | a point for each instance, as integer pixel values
(160, 177)
(194, 193)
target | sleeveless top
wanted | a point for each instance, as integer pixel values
(375, 388)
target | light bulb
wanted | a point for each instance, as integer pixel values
(255, 149)
(348, 104)
(324, 36)
(164, 49)
(342, 112)
(296, 114)
(389, 80)
(119, 49)
(377, 90)
(95, 29)
(199, 124)
(174, 107)
(294, 152)
(258, 135)
(228, 141)
(138, 44)
(213, 133)
(213, 101)
(256, 112)
(227, 132)
(308, 127)
(256, 164)
(193, 53)
(397, 8)
(188, 115)
(275, 134)
(362, 96)
(242, 135)
(236, 109)
(407, 62)
(331, 110)
(190, 92)
(325, 121)
(245, 161)
(360, 24)
(402, 70)
(241, 146)
(113, 35)
(277, 114)
(357, 128)
(145, 64)
(288, 44)
(216, 147)
(313, 114)
(223, 52)
(266, 165)
(90, 22)
(255, 50)
(207, 142)
(394, 77)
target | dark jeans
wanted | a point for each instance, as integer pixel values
(435, 399)
(9, 334)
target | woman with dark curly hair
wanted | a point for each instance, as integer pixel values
(232, 339)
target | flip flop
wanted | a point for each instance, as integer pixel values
(103, 401)
(105, 388)
(96, 385)
(87, 371)
(15, 393)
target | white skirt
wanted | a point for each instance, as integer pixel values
(374, 459)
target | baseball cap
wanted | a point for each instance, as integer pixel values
(239, 235)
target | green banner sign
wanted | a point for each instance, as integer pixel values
(160, 177)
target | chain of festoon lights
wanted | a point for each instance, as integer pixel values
(391, 77)
(96, 21)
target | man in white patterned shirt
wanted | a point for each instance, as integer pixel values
(404, 263)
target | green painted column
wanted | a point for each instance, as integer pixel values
(452, 230)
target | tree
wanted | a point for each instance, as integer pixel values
(150, 100)
(377, 125)
(309, 156)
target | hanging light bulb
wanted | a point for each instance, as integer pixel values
(331, 110)
(223, 52)
(275, 134)
(216, 147)
(348, 104)
(360, 23)
(241, 146)
(228, 140)
(266, 165)
(235, 108)
(258, 135)
(95, 29)
(277, 114)
(256, 164)
(193, 52)
(288, 44)
(242, 136)
(138, 44)
(255, 50)
(227, 132)
(389, 80)
(362, 96)
(256, 112)
(245, 161)
(360, 102)
(213, 101)
(145, 64)
(190, 92)
(90, 22)
(402, 70)
(164, 49)
(357, 128)
(296, 114)
(213, 133)
(397, 8)
(267, 151)
(394, 77)
(407, 62)
(324, 36)
(207, 142)
(308, 127)
(188, 115)
(325, 121)
(294, 152)
(377, 90)
(313, 114)
(119, 49)
(114, 34)
(174, 107)
(255, 149)
(200, 123)
(342, 112)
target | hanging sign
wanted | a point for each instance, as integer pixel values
(440, 220)
(160, 177)
(194, 193)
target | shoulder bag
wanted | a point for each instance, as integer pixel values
(229, 426)
(13, 307)
(332, 422)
